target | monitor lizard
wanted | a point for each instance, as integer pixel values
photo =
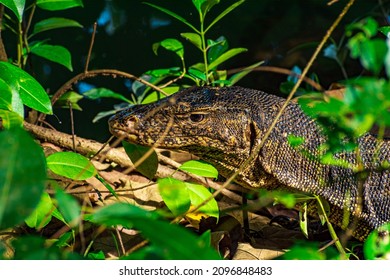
(224, 125)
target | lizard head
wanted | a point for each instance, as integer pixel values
(199, 120)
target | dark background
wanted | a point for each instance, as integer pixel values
(280, 32)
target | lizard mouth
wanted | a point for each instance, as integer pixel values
(125, 132)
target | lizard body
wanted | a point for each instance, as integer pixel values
(224, 125)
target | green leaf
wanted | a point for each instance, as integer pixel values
(97, 93)
(22, 176)
(70, 97)
(198, 194)
(385, 30)
(31, 92)
(10, 119)
(197, 74)
(173, 241)
(71, 165)
(41, 216)
(154, 96)
(225, 56)
(16, 6)
(57, 54)
(377, 246)
(200, 168)
(368, 25)
(56, 5)
(373, 53)
(224, 13)
(204, 6)
(194, 38)
(147, 167)
(5, 95)
(238, 76)
(54, 23)
(175, 195)
(68, 206)
(216, 48)
(172, 45)
(172, 14)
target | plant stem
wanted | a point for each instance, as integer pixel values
(204, 49)
(20, 45)
(332, 232)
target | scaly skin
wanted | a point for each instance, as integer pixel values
(224, 125)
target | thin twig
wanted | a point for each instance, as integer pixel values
(90, 47)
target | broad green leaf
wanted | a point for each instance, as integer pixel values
(164, 72)
(173, 241)
(225, 56)
(68, 206)
(5, 96)
(41, 216)
(31, 92)
(368, 25)
(57, 54)
(155, 96)
(200, 168)
(204, 6)
(56, 5)
(175, 195)
(194, 38)
(54, 23)
(172, 14)
(198, 194)
(170, 45)
(16, 6)
(147, 167)
(71, 165)
(224, 13)
(385, 30)
(97, 93)
(197, 74)
(22, 176)
(238, 76)
(70, 97)
(377, 246)
(10, 119)
(373, 53)
(216, 48)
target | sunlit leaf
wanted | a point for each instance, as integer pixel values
(22, 176)
(200, 168)
(57, 54)
(56, 5)
(204, 6)
(71, 165)
(170, 45)
(198, 194)
(194, 38)
(16, 6)
(41, 215)
(31, 92)
(54, 23)
(10, 119)
(175, 195)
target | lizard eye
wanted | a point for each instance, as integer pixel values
(196, 117)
